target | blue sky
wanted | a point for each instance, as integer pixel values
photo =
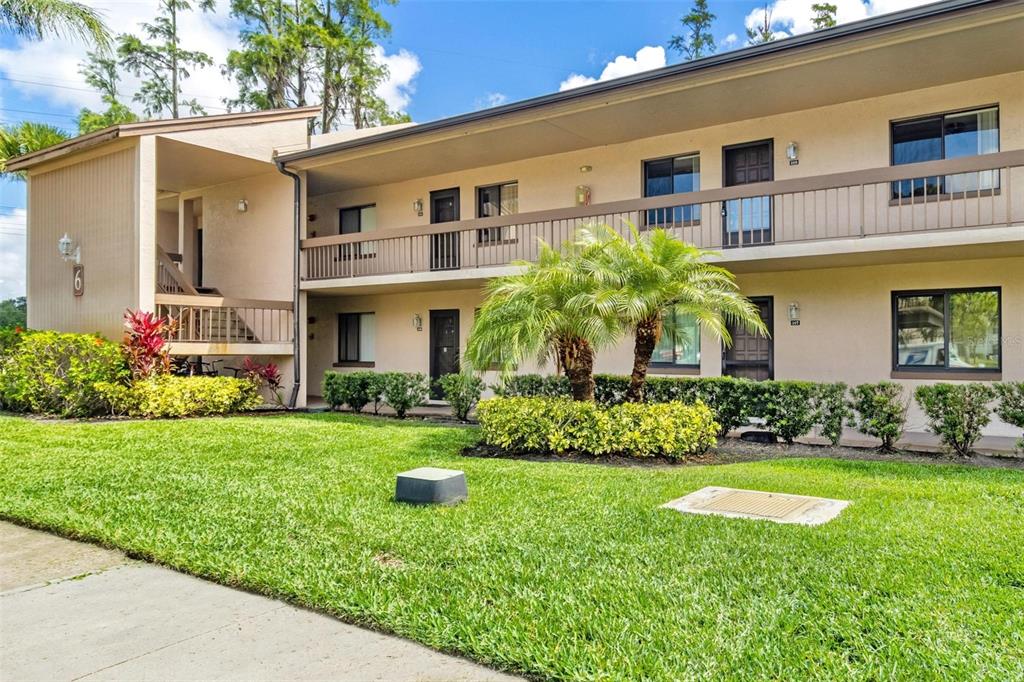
(445, 58)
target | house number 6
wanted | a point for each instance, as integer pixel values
(78, 280)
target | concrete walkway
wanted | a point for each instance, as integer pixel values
(70, 611)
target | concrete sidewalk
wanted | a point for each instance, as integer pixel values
(70, 610)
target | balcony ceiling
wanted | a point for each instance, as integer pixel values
(181, 166)
(925, 54)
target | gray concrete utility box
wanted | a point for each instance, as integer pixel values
(430, 485)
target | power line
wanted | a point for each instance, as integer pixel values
(71, 87)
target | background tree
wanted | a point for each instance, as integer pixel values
(762, 33)
(272, 65)
(100, 72)
(824, 15)
(696, 40)
(549, 311)
(13, 312)
(24, 138)
(163, 64)
(34, 19)
(299, 52)
(650, 279)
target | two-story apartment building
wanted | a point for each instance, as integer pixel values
(865, 183)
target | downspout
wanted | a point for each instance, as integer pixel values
(297, 264)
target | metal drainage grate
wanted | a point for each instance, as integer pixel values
(755, 504)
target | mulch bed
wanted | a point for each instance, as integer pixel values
(734, 450)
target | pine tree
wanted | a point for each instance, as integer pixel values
(763, 32)
(824, 15)
(696, 40)
(100, 72)
(163, 64)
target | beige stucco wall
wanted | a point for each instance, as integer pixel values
(842, 137)
(248, 255)
(844, 335)
(95, 203)
(167, 231)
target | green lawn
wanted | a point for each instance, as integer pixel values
(564, 571)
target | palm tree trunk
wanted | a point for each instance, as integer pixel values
(577, 360)
(644, 340)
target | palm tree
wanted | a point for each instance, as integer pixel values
(33, 19)
(26, 137)
(648, 278)
(551, 311)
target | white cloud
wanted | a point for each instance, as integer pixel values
(646, 58)
(790, 17)
(491, 99)
(398, 88)
(729, 41)
(12, 253)
(51, 66)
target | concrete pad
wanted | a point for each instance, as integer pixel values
(30, 558)
(756, 504)
(137, 621)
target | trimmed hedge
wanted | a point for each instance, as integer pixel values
(175, 396)
(1011, 405)
(956, 413)
(401, 390)
(560, 425)
(881, 411)
(462, 391)
(48, 372)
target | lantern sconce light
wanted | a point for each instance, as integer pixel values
(793, 153)
(417, 322)
(417, 206)
(243, 205)
(69, 250)
(794, 314)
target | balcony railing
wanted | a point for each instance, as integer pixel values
(972, 192)
(216, 319)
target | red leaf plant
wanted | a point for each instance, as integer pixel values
(145, 343)
(265, 375)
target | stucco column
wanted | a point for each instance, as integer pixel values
(145, 222)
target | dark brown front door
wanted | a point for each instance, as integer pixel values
(444, 347)
(444, 247)
(751, 355)
(747, 221)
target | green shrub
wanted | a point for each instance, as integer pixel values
(956, 413)
(881, 411)
(462, 391)
(610, 389)
(176, 396)
(375, 389)
(832, 410)
(532, 386)
(10, 338)
(787, 408)
(355, 389)
(53, 373)
(1011, 405)
(405, 390)
(560, 425)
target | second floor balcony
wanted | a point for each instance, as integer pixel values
(977, 199)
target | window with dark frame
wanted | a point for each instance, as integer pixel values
(679, 345)
(356, 337)
(958, 330)
(672, 175)
(945, 136)
(492, 201)
(356, 220)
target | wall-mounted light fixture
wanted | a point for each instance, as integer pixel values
(243, 205)
(417, 206)
(793, 153)
(586, 169)
(417, 322)
(68, 249)
(794, 314)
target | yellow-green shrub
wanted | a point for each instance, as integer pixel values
(559, 425)
(174, 396)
